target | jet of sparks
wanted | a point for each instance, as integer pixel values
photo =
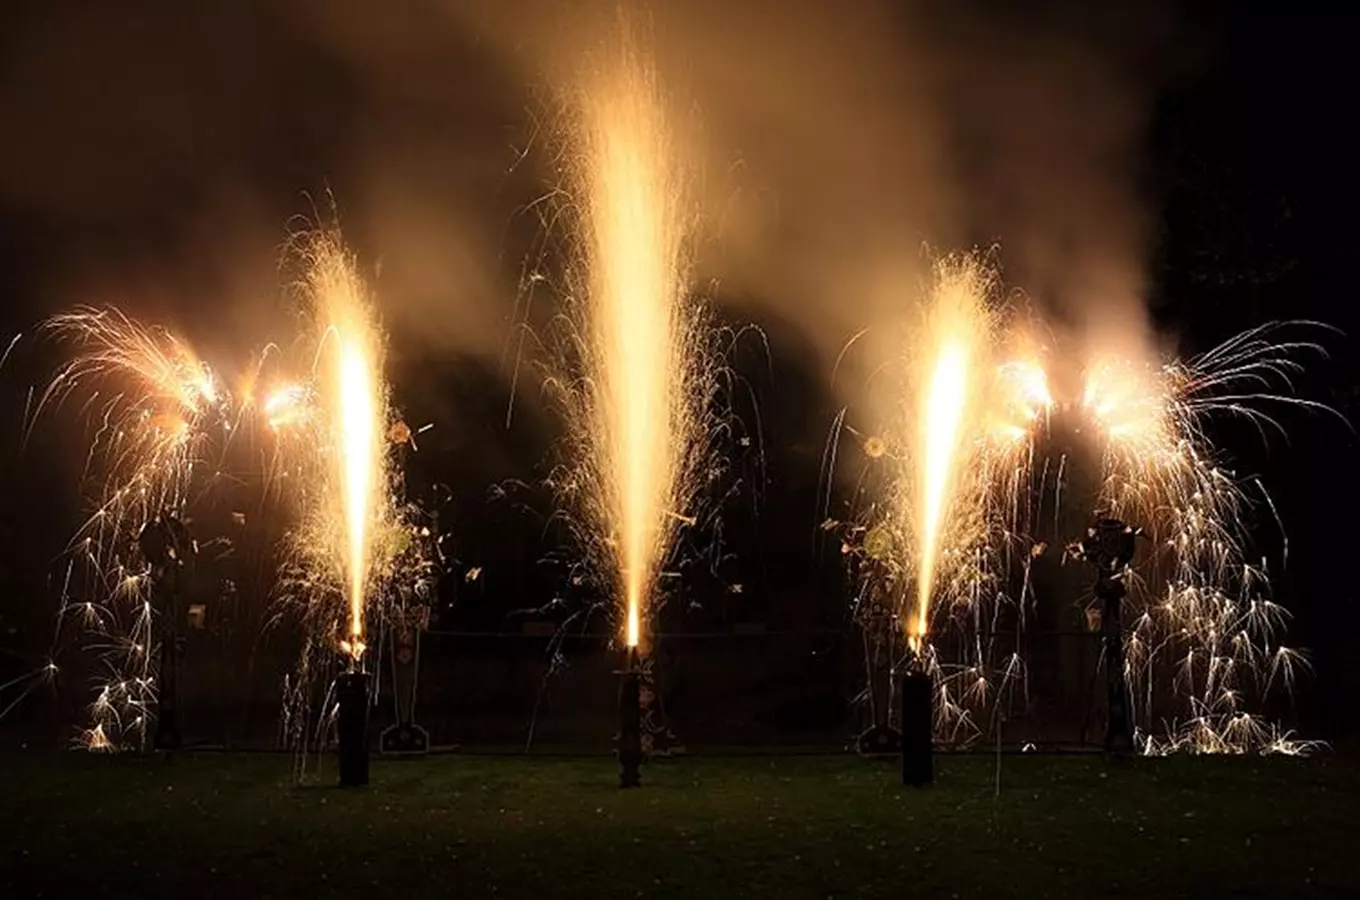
(359, 556)
(973, 405)
(352, 402)
(949, 487)
(639, 410)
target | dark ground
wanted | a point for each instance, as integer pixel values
(237, 826)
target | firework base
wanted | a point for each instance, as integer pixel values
(351, 691)
(630, 728)
(918, 739)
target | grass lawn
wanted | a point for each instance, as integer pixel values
(209, 825)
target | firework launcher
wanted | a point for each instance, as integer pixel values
(630, 720)
(1109, 546)
(405, 737)
(351, 694)
(917, 692)
(169, 550)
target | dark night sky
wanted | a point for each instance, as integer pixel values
(153, 156)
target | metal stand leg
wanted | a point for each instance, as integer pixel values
(167, 735)
(1118, 729)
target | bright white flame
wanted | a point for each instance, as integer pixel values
(941, 434)
(358, 391)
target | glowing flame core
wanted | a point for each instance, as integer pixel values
(358, 390)
(356, 406)
(975, 396)
(941, 432)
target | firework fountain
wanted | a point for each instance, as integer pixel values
(355, 403)
(954, 464)
(355, 542)
(946, 404)
(1201, 618)
(640, 393)
(164, 425)
(953, 490)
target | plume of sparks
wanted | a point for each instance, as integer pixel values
(956, 333)
(359, 553)
(969, 413)
(956, 469)
(341, 409)
(287, 407)
(642, 382)
(1204, 621)
(955, 462)
(159, 411)
(157, 404)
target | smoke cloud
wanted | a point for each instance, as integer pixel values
(842, 146)
(165, 154)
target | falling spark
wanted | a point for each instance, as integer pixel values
(159, 411)
(1203, 607)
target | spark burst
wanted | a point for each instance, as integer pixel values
(160, 412)
(1204, 619)
(638, 345)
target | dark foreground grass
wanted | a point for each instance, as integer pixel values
(238, 826)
